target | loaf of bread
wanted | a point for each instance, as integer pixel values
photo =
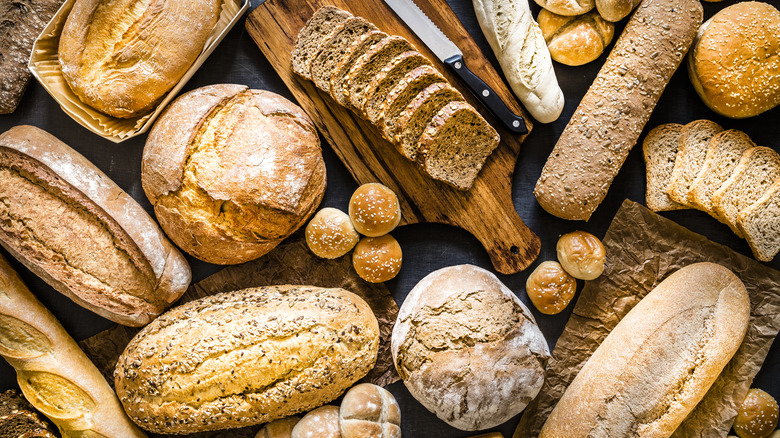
(53, 373)
(121, 57)
(611, 116)
(231, 171)
(75, 228)
(659, 361)
(246, 357)
(575, 40)
(520, 48)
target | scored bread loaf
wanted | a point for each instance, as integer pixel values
(660, 152)
(71, 225)
(659, 361)
(307, 44)
(339, 77)
(53, 373)
(333, 47)
(246, 357)
(760, 224)
(608, 121)
(694, 142)
(575, 40)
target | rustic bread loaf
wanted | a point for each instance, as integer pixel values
(121, 57)
(307, 44)
(368, 66)
(340, 75)
(760, 224)
(616, 10)
(386, 80)
(694, 142)
(231, 171)
(53, 373)
(614, 111)
(332, 49)
(575, 40)
(369, 411)
(659, 361)
(70, 224)
(402, 95)
(468, 349)
(660, 152)
(246, 357)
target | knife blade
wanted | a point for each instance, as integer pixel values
(450, 54)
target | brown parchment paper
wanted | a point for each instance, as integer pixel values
(289, 263)
(643, 248)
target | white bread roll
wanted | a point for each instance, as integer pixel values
(524, 58)
(659, 361)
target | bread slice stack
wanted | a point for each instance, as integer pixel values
(385, 80)
(722, 173)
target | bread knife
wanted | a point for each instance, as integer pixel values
(450, 54)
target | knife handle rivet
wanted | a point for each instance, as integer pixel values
(485, 93)
(458, 65)
(516, 124)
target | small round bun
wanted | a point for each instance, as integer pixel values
(757, 417)
(369, 411)
(281, 428)
(550, 288)
(322, 422)
(581, 254)
(377, 259)
(567, 7)
(374, 210)
(734, 65)
(575, 40)
(330, 234)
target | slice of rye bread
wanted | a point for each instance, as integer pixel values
(308, 42)
(369, 64)
(390, 75)
(339, 76)
(333, 48)
(723, 154)
(416, 116)
(756, 171)
(694, 142)
(760, 224)
(402, 94)
(659, 149)
(455, 144)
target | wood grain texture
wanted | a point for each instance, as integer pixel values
(486, 210)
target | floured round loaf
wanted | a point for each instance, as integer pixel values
(246, 357)
(231, 171)
(468, 349)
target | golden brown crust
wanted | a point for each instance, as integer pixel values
(374, 210)
(550, 288)
(575, 40)
(377, 259)
(330, 234)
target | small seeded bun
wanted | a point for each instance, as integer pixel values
(374, 210)
(330, 234)
(757, 417)
(550, 288)
(377, 259)
(575, 40)
(731, 64)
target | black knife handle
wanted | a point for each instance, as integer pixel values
(489, 98)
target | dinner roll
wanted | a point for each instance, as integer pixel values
(322, 422)
(757, 417)
(377, 259)
(231, 171)
(374, 210)
(468, 349)
(330, 234)
(369, 411)
(581, 254)
(550, 288)
(567, 7)
(575, 40)
(734, 63)
(281, 428)
(616, 10)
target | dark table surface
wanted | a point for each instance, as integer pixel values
(426, 247)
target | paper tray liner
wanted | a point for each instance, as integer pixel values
(45, 66)
(289, 263)
(644, 248)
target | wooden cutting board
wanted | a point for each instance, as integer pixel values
(486, 211)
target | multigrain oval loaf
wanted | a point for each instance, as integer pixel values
(369, 64)
(120, 57)
(332, 49)
(402, 94)
(339, 77)
(659, 361)
(692, 152)
(70, 224)
(387, 78)
(307, 44)
(659, 149)
(608, 121)
(231, 171)
(246, 357)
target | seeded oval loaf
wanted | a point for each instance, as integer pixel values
(246, 357)
(307, 44)
(368, 66)
(121, 56)
(387, 78)
(71, 225)
(402, 95)
(694, 142)
(339, 77)
(333, 48)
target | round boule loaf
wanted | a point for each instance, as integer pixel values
(246, 357)
(369, 411)
(468, 349)
(231, 172)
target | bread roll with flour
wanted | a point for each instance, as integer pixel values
(522, 52)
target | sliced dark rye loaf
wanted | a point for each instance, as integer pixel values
(416, 116)
(334, 47)
(455, 144)
(760, 224)
(324, 21)
(694, 142)
(370, 63)
(339, 76)
(660, 152)
(402, 94)
(390, 75)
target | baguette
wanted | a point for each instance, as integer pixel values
(54, 374)
(659, 361)
(611, 116)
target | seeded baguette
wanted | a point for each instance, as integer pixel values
(611, 116)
